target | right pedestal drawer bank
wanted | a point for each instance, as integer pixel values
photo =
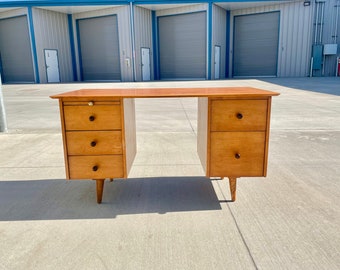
(233, 137)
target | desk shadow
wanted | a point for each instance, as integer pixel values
(61, 199)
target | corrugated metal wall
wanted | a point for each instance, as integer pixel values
(13, 13)
(143, 38)
(296, 25)
(219, 38)
(124, 33)
(181, 10)
(51, 32)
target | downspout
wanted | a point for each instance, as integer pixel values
(322, 20)
(336, 36)
(209, 39)
(316, 22)
(336, 22)
(132, 28)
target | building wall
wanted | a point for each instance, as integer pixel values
(296, 24)
(296, 36)
(181, 10)
(125, 43)
(13, 13)
(143, 39)
(51, 32)
(219, 38)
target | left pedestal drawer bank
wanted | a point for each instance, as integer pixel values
(99, 138)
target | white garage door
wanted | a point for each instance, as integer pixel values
(99, 48)
(182, 46)
(15, 51)
(256, 39)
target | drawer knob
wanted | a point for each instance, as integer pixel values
(91, 103)
(237, 156)
(93, 143)
(91, 118)
(95, 168)
(239, 116)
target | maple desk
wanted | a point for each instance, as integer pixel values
(99, 131)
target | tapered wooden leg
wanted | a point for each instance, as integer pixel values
(232, 185)
(100, 188)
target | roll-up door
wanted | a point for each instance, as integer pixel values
(182, 46)
(256, 39)
(99, 48)
(15, 50)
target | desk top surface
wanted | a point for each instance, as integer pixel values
(229, 92)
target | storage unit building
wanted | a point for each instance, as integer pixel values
(165, 40)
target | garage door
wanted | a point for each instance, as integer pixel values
(256, 39)
(99, 48)
(15, 51)
(182, 46)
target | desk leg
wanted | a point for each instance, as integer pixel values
(232, 185)
(100, 188)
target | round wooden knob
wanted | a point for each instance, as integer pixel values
(237, 156)
(239, 116)
(95, 168)
(93, 143)
(91, 118)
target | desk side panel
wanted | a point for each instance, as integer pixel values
(129, 131)
(265, 163)
(63, 133)
(202, 132)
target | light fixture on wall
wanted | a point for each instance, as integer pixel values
(306, 3)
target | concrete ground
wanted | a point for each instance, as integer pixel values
(167, 215)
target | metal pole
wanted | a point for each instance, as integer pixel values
(3, 123)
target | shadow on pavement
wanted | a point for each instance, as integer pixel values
(61, 199)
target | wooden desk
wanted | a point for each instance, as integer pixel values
(99, 131)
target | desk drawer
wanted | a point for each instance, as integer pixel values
(94, 142)
(238, 115)
(100, 117)
(96, 167)
(237, 154)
